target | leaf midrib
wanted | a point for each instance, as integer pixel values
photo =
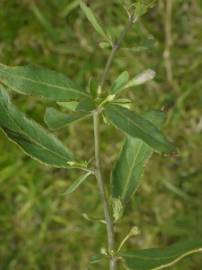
(70, 89)
(133, 123)
(131, 169)
(31, 139)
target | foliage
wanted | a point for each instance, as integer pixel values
(176, 115)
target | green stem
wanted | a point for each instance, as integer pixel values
(116, 46)
(106, 206)
(98, 172)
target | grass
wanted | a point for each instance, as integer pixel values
(42, 229)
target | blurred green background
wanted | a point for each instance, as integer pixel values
(39, 227)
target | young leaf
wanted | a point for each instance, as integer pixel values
(130, 165)
(70, 105)
(77, 183)
(30, 136)
(56, 119)
(120, 82)
(117, 208)
(93, 20)
(30, 80)
(138, 127)
(156, 258)
(142, 78)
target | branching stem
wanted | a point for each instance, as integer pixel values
(98, 171)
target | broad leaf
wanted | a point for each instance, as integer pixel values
(30, 80)
(120, 82)
(77, 183)
(157, 258)
(93, 20)
(56, 119)
(130, 165)
(30, 136)
(138, 127)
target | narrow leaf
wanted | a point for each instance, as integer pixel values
(30, 80)
(77, 183)
(56, 119)
(160, 258)
(129, 167)
(93, 20)
(138, 127)
(120, 82)
(30, 136)
(142, 78)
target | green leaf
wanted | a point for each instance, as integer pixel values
(56, 119)
(138, 127)
(36, 81)
(70, 105)
(86, 105)
(160, 258)
(93, 20)
(104, 45)
(141, 78)
(120, 82)
(77, 183)
(117, 208)
(123, 102)
(130, 165)
(30, 136)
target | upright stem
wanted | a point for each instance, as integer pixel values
(106, 207)
(98, 172)
(115, 48)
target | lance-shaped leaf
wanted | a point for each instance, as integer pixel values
(76, 183)
(31, 80)
(30, 136)
(141, 78)
(160, 258)
(130, 165)
(120, 82)
(123, 82)
(56, 119)
(93, 20)
(137, 126)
